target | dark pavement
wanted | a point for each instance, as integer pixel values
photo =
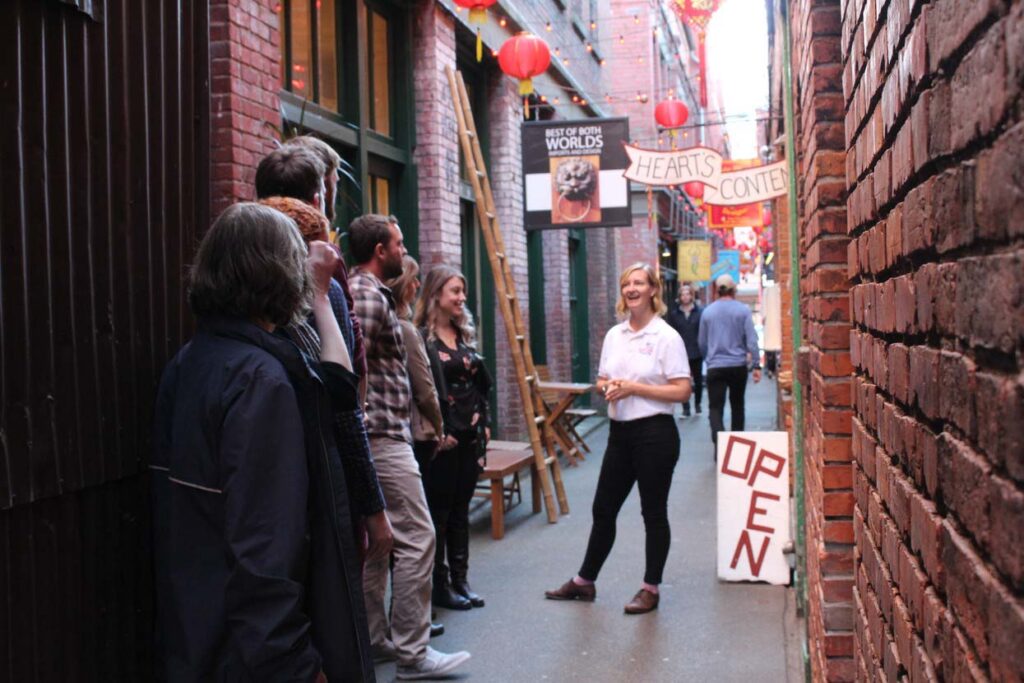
(703, 630)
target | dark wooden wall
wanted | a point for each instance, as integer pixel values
(103, 192)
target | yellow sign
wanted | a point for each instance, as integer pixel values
(694, 260)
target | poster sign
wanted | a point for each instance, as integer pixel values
(753, 506)
(728, 262)
(705, 165)
(573, 174)
(694, 258)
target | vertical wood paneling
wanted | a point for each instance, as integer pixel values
(103, 173)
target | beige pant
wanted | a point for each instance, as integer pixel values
(413, 556)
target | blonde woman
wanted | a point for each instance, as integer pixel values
(463, 384)
(643, 373)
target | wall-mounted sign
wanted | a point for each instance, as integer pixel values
(573, 174)
(704, 165)
(694, 260)
(728, 263)
(753, 506)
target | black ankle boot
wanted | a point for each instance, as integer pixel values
(458, 559)
(444, 596)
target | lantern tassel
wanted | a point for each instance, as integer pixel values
(526, 86)
(479, 46)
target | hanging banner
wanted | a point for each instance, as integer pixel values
(734, 216)
(573, 174)
(704, 165)
(694, 260)
(753, 506)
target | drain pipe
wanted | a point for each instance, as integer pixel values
(794, 285)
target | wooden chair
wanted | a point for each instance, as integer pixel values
(501, 464)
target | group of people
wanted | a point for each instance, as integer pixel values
(322, 432)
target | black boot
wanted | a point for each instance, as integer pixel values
(443, 595)
(458, 557)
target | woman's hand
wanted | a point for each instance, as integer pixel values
(447, 443)
(618, 389)
(322, 260)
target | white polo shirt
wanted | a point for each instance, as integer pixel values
(653, 355)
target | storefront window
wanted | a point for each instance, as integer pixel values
(328, 54)
(380, 194)
(380, 74)
(301, 52)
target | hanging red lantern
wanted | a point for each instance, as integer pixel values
(524, 56)
(671, 114)
(477, 15)
(697, 13)
(766, 216)
(695, 189)
(729, 240)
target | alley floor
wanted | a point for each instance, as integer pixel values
(703, 630)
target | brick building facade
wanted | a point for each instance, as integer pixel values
(909, 143)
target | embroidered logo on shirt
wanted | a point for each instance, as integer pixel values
(647, 348)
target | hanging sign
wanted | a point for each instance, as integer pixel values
(705, 165)
(728, 263)
(694, 260)
(753, 506)
(573, 174)
(734, 216)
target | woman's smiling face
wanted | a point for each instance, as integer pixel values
(452, 298)
(637, 291)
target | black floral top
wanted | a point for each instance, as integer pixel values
(467, 383)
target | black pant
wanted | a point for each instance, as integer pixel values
(719, 380)
(644, 451)
(696, 380)
(448, 481)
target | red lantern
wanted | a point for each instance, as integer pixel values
(766, 216)
(697, 13)
(695, 189)
(671, 114)
(524, 56)
(477, 15)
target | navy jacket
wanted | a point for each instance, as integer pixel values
(688, 327)
(257, 571)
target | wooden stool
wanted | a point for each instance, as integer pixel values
(501, 464)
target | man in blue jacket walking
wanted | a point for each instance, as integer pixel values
(728, 343)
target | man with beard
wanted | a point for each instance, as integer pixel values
(377, 249)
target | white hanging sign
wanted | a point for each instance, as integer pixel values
(753, 506)
(704, 165)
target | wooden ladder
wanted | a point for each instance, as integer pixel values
(534, 408)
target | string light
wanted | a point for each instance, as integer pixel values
(590, 48)
(548, 27)
(502, 22)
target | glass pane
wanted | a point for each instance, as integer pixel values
(302, 48)
(328, 57)
(381, 195)
(380, 75)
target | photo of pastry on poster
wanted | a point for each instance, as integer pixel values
(573, 174)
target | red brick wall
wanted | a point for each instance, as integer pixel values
(936, 181)
(245, 53)
(826, 330)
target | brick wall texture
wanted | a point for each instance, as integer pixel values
(245, 74)
(935, 205)
(825, 367)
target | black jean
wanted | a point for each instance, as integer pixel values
(720, 380)
(644, 451)
(696, 380)
(448, 481)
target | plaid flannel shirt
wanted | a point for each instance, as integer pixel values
(388, 393)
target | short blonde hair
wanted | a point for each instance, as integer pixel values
(657, 304)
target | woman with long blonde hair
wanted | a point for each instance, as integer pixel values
(643, 374)
(463, 384)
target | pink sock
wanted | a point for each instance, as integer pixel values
(579, 581)
(650, 587)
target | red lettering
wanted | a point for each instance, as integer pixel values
(761, 457)
(733, 440)
(755, 565)
(754, 510)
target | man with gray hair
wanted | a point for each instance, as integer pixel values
(728, 343)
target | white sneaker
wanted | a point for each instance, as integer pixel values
(434, 665)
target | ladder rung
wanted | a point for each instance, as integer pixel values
(528, 378)
(521, 337)
(470, 133)
(510, 297)
(481, 174)
(500, 254)
(490, 215)
(539, 419)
